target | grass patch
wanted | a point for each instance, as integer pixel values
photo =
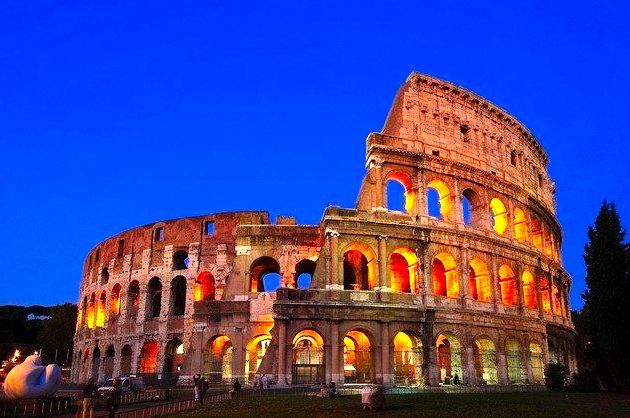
(487, 405)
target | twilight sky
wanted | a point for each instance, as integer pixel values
(115, 115)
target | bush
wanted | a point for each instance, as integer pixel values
(585, 381)
(556, 375)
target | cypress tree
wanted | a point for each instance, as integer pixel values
(607, 298)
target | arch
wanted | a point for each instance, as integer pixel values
(104, 275)
(520, 225)
(178, 296)
(513, 359)
(449, 357)
(358, 361)
(444, 275)
(101, 310)
(404, 269)
(96, 363)
(479, 280)
(536, 233)
(499, 216)
(108, 363)
(444, 198)
(308, 358)
(536, 362)
(256, 349)
(409, 197)
(262, 270)
(218, 359)
(485, 357)
(472, 208)
(529, 290)
(154, 297)
(545, 294)
(507, 284)
(548, 241)
(114, 300)
(204, 287)
(91, 311)
(180, 260)
(407, 359)
(133, 300)
(173, 356)
(148, 357)
(125, 360)
(557, 300)
(81, 313)
(304, 271)
(359, 267)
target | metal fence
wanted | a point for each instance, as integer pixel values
(37, 407)
(165, 408)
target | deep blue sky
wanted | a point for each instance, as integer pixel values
(115, 115)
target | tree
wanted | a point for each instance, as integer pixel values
(57, 333)
(607, 298)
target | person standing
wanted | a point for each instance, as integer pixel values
(88, 394)
(204, 388)
(196, 380)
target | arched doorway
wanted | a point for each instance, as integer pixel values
(358, 364)
(485, 360)
(404, 271)
(256, 350)
(173, 356)
(148, 357)
(108, 363)
(407, 359)
(308, 360)
(513, 358)
(125, 360)
(536, 362)
(449, 358)
(218, 359)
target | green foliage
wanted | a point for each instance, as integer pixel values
(556, 375)
(606, 309)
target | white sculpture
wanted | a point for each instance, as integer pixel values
(32, 380)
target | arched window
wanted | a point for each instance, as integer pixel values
(178, 296)
(308, 358)
(499, 216)
(264, 275)
(529, 290)
(304, 271)
(536, 232)
(520, 225)
(154, 297)
(548, 245)
(173, 356)
(514, 364)
(479, 280)
(180, 260)
(204, 287)
(91, 311)
(359, 267)
(545, 294)
(108, 364)
(485, 360)
(102, 309)
(536, 362)
(104, 275)
(96, 363)
(437, 190)
(125, 360)
(148, 357)
(557, 301)
(133, 300)
(472, 208)
(400, 194)
(507, 283)
(404, 271)
(444, 275)
(114, 303)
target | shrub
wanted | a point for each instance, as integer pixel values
(556, 375)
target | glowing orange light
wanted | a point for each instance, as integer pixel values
(499, 216)
(520, 225)
(444, 194)
(529, 290)
(405, 271)
(507, 282)
(445, 277)
(352, 257)
(480, 282)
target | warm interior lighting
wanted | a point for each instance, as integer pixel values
(449, 356)
(445, 277)
(100, 313)
(204, 287)
(359, 267)
(520, 225)
(91, 311)
(507, 283)
(529, 290)
(485, 359)
(479, 280)
(115, 300)
(179, 349)
(499, 216)
(148, 357)
(545, 295)
(557, 301)
(444, 196)
(536, 232)
(404, 271)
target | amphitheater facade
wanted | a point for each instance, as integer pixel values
(463, 281)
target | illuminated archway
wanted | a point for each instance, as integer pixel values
(91, 311)
(507, 284)
(444, 276)
(485, 360)
(499, 216)
(407, 359)
(308, 358)
(358, 362)
(536, 362)
(218, 359)
(557, 301)
(529, 290)
(148, 357)
(114, 302)
(125, 360)
(404, 271)
(513, 358)
(204, 286)
(545, 294)
(359, 267)
(256, 349)
(479, 280)
(548, 245)
(264, 271)
(449, 358)
(520, 225)
(536, 234)
(405, 181)
(133, 300)
(173, 356)
(102, 308)
(444, 198)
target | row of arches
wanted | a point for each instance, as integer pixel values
(476, 212)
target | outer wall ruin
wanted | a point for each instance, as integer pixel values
(464, 281)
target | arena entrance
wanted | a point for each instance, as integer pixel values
(308, 360)
(217, 365)
(407, 360)
(358, 361)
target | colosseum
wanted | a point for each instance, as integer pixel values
(461, 281)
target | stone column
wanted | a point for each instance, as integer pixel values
(470, 372)
(335, 373)
(496, 305)
(239, 352)
(383, 280)
(282, 352)
(426, 288)
(116, 360)
(552, 297)
(502, 366)
(388, 375)
(464, 258)
(135, 356)
(541, 310)
(165, 309)
(458, 216)
(333, 266)
(519, 286)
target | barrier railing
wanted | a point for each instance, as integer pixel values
(165, 408)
